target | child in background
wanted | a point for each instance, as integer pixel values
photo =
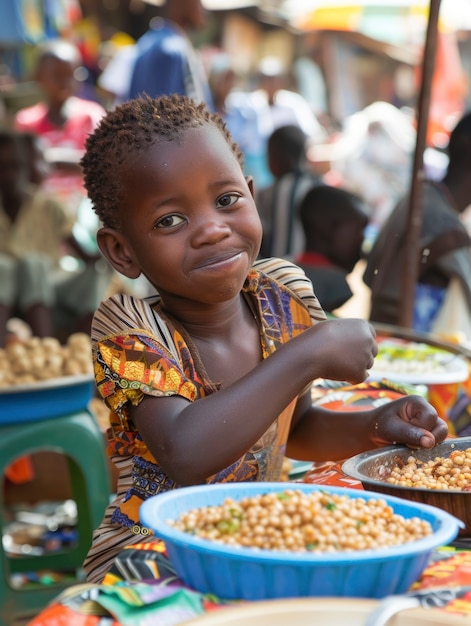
(61, 119)
(210, 380)
(278, 204)
(334, 221)
(35, 233)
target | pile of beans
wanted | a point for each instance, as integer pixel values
(452, 473)
(295, 521)
(37, 359)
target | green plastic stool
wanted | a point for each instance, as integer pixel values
(78, 437)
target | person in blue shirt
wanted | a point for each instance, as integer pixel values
(166, 61)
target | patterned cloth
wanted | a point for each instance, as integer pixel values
(139, 351)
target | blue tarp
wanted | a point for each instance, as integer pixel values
(30, 21)
(12, 29)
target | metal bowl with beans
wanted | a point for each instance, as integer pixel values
(440, 476)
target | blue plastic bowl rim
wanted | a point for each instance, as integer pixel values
(152, 514)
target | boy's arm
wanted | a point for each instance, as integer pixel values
(194, 440)
(325, 435)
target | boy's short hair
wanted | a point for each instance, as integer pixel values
(128, 131)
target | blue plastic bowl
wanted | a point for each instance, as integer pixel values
(45, 400)
(251, 574)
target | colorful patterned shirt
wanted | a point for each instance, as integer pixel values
(137, 353)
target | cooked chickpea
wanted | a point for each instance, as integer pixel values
(452, 473)
(37, 359)
(295, 521)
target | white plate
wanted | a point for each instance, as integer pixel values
(291, 612)
(319, 612)
(444, 367)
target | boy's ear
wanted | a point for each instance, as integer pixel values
(115, 250)
(249, 180)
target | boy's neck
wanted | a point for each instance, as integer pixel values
(213, 320)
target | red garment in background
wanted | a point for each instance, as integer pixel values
(82, 118)
(449, 90)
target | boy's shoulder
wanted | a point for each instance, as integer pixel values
(121, 311)
(293, 278)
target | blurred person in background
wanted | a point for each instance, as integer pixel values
(35, 234)
(278, 204)
(377, 147)
(444, 243)
(61, 119)
(271, 105)
(233, 104)
(165, 61)
(116, 59)
(334, 222)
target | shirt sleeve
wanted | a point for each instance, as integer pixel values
(135, 354)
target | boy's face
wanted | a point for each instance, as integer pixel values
(188, 220)
(57, 81)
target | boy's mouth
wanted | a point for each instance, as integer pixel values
(219, 261)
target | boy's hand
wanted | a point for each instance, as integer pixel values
(411, 421)
(346, 348)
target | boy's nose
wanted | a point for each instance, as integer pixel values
(210, 230)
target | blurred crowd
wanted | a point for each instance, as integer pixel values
(312, 174)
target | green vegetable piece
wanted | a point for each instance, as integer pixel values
(283, 496)
(223, 526)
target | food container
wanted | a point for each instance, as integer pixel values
(251, 574)
(373, 467)
(320, 612)
(418, 363)
(419, 359)
(47, 399)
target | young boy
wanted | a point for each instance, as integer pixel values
(209, 381)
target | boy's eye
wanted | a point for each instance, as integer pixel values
(168, 221)
(227, 200)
